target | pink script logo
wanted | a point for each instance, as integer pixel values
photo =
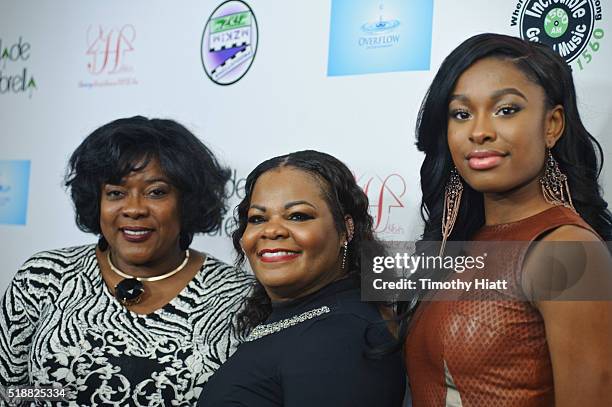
(384, 195)
(107, 49)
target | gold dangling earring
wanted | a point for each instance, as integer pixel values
(554, 184)
(452, 200)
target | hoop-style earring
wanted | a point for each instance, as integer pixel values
(554, 184)
(344, 254)
(452, 200)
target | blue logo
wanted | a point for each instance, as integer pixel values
(14, 181)
(370, 36)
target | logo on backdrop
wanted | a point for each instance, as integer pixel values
(386, 196)
(108, 54)
(229, 42)
(379, 36)
(235, 193)
(570, 27)
(14, 181)
(381, 33)
(15, 75)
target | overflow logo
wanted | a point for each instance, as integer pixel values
(15, 76)
(381, 33)
(570, 27)
(14, 181)
(229, 42)
(379, 36)
(108, 53)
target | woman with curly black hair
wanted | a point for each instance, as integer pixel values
(139, 318)
(508, 160)
(302, 225)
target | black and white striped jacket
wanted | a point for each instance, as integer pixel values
(60, 326)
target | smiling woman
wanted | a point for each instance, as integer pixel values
(139, 318)
(139, 219)
(286, 203)
(302, 225)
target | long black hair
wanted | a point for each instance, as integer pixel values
(343, 197)
(578, 153)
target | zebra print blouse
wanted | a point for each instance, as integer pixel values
(60, 326)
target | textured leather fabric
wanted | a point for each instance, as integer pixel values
(491, 348)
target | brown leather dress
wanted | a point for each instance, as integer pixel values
(487, 353)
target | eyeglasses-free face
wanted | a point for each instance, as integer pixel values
(291, 240)
(140, 219)
(499, 127)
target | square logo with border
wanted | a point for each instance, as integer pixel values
(375, 36)
(14, 187)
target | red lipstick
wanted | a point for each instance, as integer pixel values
(136, 234)
(277, 255)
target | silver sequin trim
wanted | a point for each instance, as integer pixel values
(266, 329)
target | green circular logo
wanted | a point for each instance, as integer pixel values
(556, 22)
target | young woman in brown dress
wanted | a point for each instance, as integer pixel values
(512, 161)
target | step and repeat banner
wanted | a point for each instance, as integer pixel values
(254, 79)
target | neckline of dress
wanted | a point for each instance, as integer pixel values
(284, 309)
(519, 221)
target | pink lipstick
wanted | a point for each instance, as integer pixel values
(485, 159)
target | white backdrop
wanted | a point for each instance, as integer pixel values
(286, 101)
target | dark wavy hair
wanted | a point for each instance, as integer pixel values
(343, 197)
(579, 155)
(117, 148)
